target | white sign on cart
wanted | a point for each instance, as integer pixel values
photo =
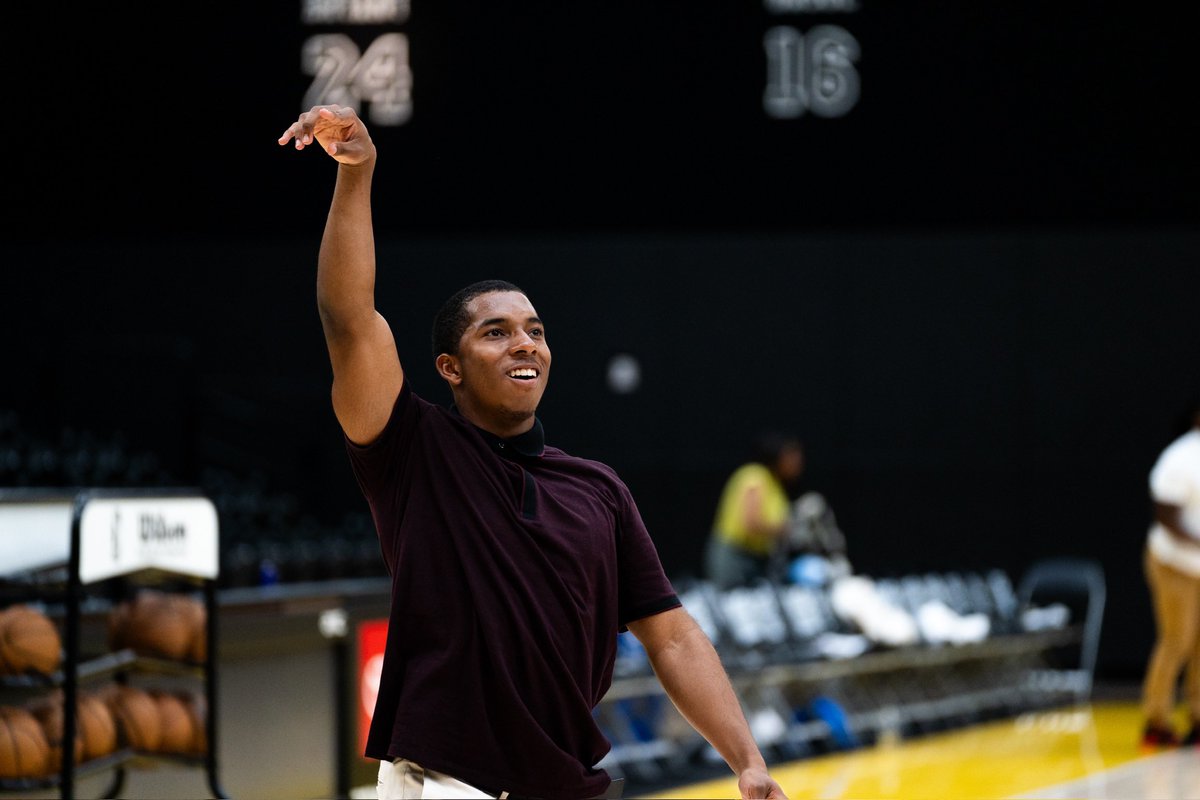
(118, 535)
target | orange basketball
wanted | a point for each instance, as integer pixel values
(97, 727)
(178, 730)
(24, 751)
(137, 717)
(49, 714)
(196, 616)
(197, 708)
(157, 624)
(29, 641)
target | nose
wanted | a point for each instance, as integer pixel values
(523, 343)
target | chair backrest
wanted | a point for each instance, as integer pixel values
(958, 596)
(979, 596)
(1004, 598)
(1071, 580)
(753, 616)
(807, 611)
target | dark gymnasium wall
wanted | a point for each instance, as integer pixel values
(958, 254)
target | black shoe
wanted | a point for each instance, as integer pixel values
(1155, 737)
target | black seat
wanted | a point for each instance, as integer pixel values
(1079, 584)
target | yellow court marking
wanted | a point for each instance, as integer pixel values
(993, 760)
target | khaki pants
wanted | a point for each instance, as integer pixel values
(407, 780)
(1176, 597)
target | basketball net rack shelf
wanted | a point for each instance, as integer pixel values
(56, 544)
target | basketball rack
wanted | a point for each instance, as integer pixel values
(57, 546)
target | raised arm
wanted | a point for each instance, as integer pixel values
(362, 351)
(691, 672)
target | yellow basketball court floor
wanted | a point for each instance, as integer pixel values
(1079, 751)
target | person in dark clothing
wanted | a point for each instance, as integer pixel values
(514, 565)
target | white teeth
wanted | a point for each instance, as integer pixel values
(523, 373)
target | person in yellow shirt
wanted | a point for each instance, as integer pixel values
(753, 513)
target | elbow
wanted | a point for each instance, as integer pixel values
(339, 317)
(332, 321)
(338, 323)
(676, 635)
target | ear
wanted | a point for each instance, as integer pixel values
(449, 368)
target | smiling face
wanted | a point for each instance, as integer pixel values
(500, 370)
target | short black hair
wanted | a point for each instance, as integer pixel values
(770, 445)
(452, 318)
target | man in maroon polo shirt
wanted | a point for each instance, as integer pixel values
(514, 565)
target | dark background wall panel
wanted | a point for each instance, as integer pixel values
(622, 115)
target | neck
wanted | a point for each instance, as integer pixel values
(502, 423)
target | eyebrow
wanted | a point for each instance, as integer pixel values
(502, 320)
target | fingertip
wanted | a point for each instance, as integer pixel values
(332, 149)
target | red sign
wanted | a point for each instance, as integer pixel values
(372, 639)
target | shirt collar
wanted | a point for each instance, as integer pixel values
(530, 444)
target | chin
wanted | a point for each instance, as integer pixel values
(523, 414)
(519, 414)
(527, 405)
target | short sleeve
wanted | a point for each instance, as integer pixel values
(375, 464)
(1172, 478)
(380, 468)
(644, 587)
